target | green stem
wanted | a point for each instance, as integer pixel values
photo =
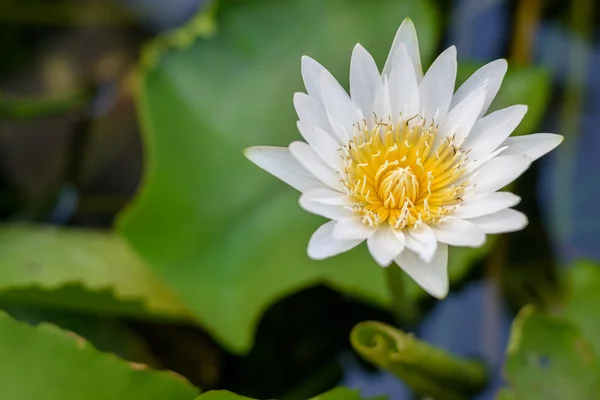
(317, 382)
(402, 306)
(427, 369)
(447, 369)
(26, 109)
(426, 386)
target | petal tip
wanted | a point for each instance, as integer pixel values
(427, 254)
(295, 145)
(251, 152)
(358, 47)
(441, 294)
(408, 22)
(525, 221)
(383, 264)
(315, 256)
(306, 61)
(502, 63)
(481, 242)
(522, 108)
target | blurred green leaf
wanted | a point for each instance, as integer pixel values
(505, 394)
(47, 363)
(81, 270)
(107, 334)
(549, 358)
(340, 394)
(227, 237)
(334, 394)
(30, 108)
(583, 298)
(221, 395)
(426, 369)
(530, 86)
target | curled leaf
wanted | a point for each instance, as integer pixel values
(428, 370)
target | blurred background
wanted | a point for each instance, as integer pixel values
(131, 217)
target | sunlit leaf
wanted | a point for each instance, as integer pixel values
(342, 393)
(79, 269)
(47, 363)
(334, 394)
(221, 395)
(227, 237)
(505, 394)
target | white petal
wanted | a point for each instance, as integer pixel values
(482, 204)
(341, 111)
(507, 220)
(489, 132)
(384, 245)
(352, 228)
(365, 81)
(461, 118)
(474, 164)
(313, 163)
(400, 236)
(437, 86)
(458, 232)
(490, 75)
(311, 74)
(322, 244)
(279, 162)
(322, 143)
(431, 276)
(382, 107)
(533, 146)
(312, 113)
(403, 87)
(328, 196)
(421, 240)
(499, 172)
(406, 35)
(334, 212)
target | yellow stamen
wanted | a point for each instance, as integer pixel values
(399, 174)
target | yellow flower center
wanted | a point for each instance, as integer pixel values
(403, 174)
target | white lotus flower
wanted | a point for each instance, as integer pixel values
(404, 162)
